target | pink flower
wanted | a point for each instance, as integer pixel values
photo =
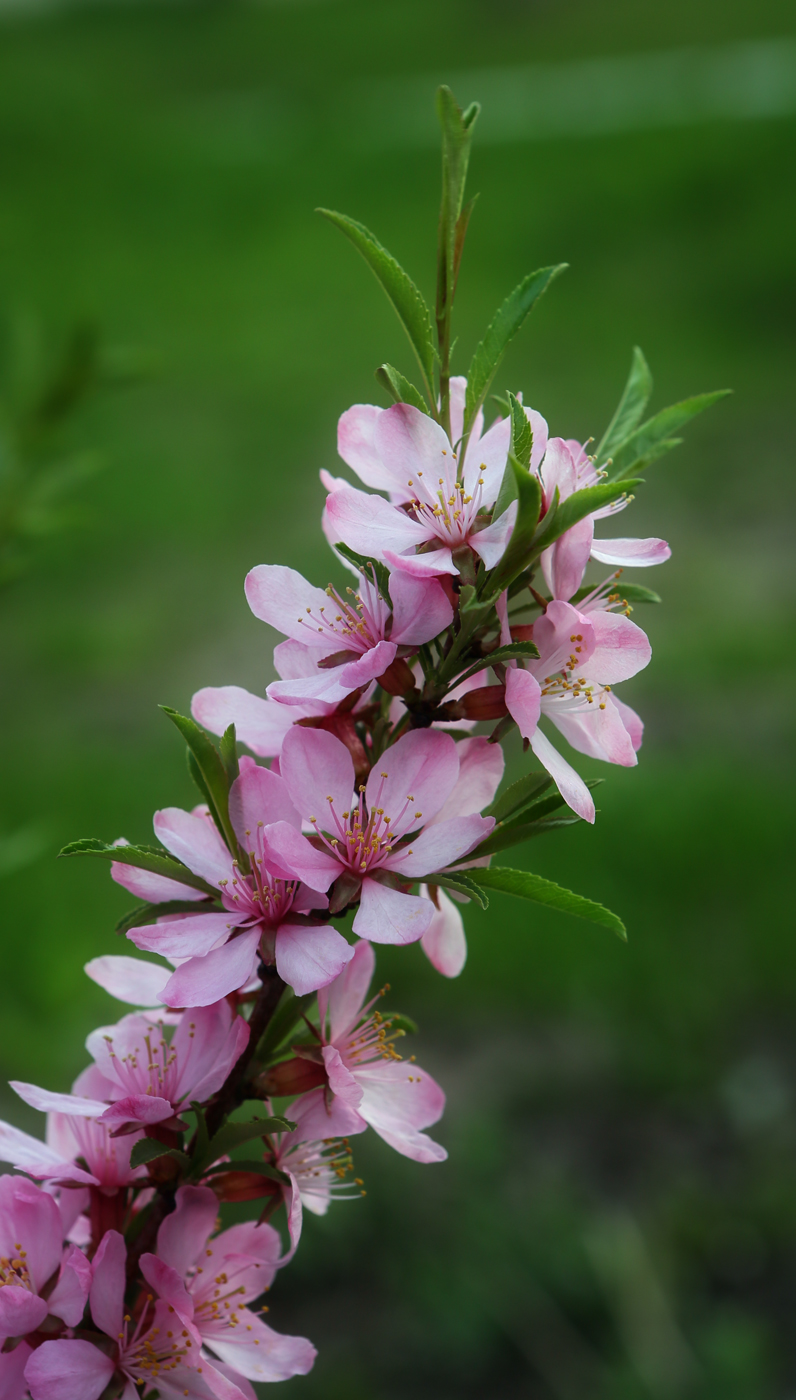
(162, 1354)
(209, 1282)
(437, 509)
(395, 1097)
(265, 915)
(362, 636)
(315, 1162)
(31, 1253)
(147, 1078)
(259, 724)
(568, 467)
(581, 656)
(364, 837)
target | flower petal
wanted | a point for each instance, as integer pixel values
(369, 524)
(309, 958)
(564, 563)
(426, 565)
(409, 442)
(335, 683)
(569, 783)
(637, 554)
(355, 443)
(68, 1298)
(292, 856)
(284, 599)
(523, 700)
(48, 1102)
(108, 1284)
(257, 798)
(486, 461)
(260, 724)
(204, 980)
(420, 609)
(190, 937)
(387, 916)
(444, 943)
(481, 766)
(398, 1100)
(344, 999)
(195, 841)
(154, 889)
(136, 1108)
(20, 1311)
(440, 845)
(68, 1370)
(423, 767)
(491, 542)
(621, 648)
(184, 1233)
(131, 980)
(317, 767)
(598, 732)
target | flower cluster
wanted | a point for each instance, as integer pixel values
(366, 811)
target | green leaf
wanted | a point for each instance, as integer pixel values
(575, 507)
(407, 301)
(515, 559)
(235, 1134)
(654, 437)
(525, 885)
(214, 774)
(148, 913)
(260, 1168)
(503, 327)
(228, 750)
(142, 857)
(148, 1149)
(371, 567)
(628, 592)
(521, 433)
(631, 406)
(516, 797)
(514, 833)
(495, 657)
(202, 1138)
(457, 131)
(290, 1010)
(400, 389)
(462, 882)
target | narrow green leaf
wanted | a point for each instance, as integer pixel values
(457, 129)
(235, 1134)
(654, 437)
(148, 1149)
(148, 913)
(407, 301)
(628, 592)
(400, 389)
(515, 559)
(462, 882)
(502, 329)
(202, 1137)
(228, 750)
(372, 568)
(631, 406)
(462, 224)
(525, 885)
(521, 433)
(507, 653)
(516, 797)
(142, 857)
(211, 767)
(290, 1010)
(515, 833)
(575, 507)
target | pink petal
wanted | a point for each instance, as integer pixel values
(208, 1042)
(253, 1251)
(564, 564)
(20, 1311)
(486, 461)
(632, 722)
(108, 1284)
(29, 1216)
(554, 633)
(621, 648)
(420, 609)
(136, 1108)
(569, 783)
(290, 855)
(355, 444)
(68, 1298)
(12, 1372)
(344, 999)
(540, 437)
(285, 600)
(260, 724)
(184, 1233)
(190, 937)
(599, 732)
(481, 767)
(458, 393)
(422, 766)
(440, 845)
(149, 887)
(335, 683)
(196, 842)
(637, 554)
(259, 1353)
(341, 1080)
(131, 980)
(316, 766)
(558, 470)
(409, 442)
(523, 700)
(369, 524)
(35, 1157)
(220, 1368)
(309, 958)
(48, 1102)
(387, 916)
(398, 1100)
(426, 565)
(491, 542)
(68, 1370)
(444, 943)
(169, 1287)
(317, 1116)
(256, 798)
(202, 981)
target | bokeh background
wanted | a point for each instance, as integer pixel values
(618, 1215)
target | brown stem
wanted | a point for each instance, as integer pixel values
(264, 1008)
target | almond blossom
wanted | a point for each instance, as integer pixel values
(364, 837)
(31, 1256)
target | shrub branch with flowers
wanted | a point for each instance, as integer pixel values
(377, 821)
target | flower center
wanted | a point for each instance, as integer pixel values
(446, 509)
(14, 1272)
(358, 625)
(365, 837)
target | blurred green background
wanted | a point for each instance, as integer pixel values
(618, 1215)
